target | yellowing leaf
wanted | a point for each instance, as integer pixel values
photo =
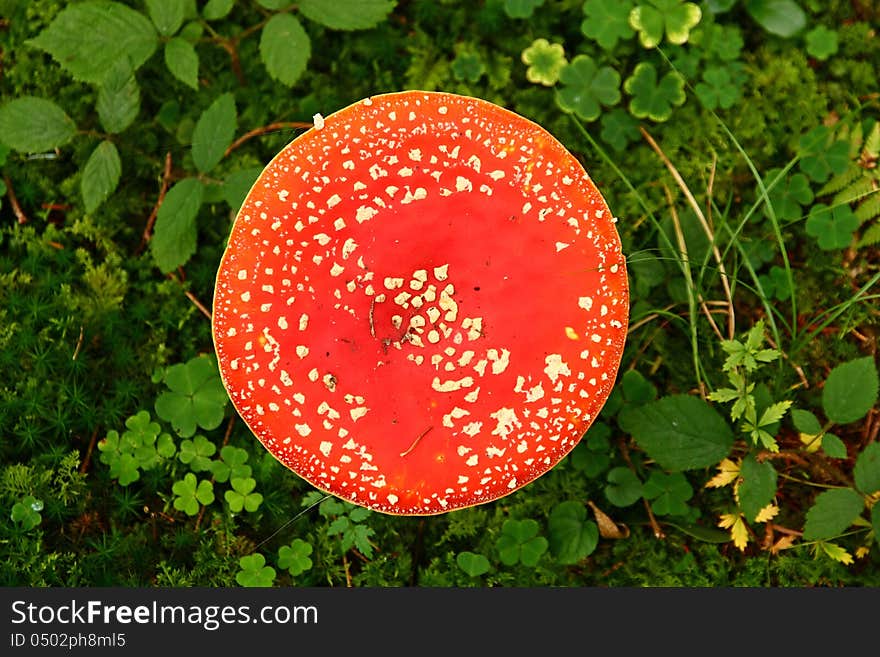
(767, 513)
(862, 551)
(728, 471)
(782, 544)
(739, 533)
(835, 552)
(811, 443)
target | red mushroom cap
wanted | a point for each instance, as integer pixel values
(423, 303)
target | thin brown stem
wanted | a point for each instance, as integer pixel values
(13, 201)
(163, 188)
(89, 450)
(266, 129)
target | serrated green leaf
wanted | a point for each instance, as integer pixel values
(285, 48)
(214, 132)
(88, 38)
(784, 18)
(238, 184)
(346, 14)
(119, 99)
(831, 514)
(758, 486)
(850, 390)
(182, 61)
(100, 175)
(174, 234)
(680, 432)
(214, 10)
(805, 422)
(774, 413)
(167, 15)
(572, 537)
(32, 125)
(867, 469)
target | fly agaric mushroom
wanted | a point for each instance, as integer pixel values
(423, 303)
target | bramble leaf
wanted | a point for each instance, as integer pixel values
(32, 125)
(182, 61)
(214, 132)
(174, 234)
(867, 469)
(347, 14)
(831, 513)
(850, 390)
(675, 18)
(167, 15)
(100, 175)
(586, 87)
(739, 533)
(544, 61)
(680, 432)
(757, 488)
(88, 38)
(653, 99)
(607, 21)
(285, 48)
(119, 99)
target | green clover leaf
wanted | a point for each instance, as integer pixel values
(196, 396)
(294, 558)
(717, 89)
(468, 67)
(242, 496)
(833, 227)
(197, 453)
(668, 493)
(544, 60)
(619, 129)
(624, 487)
(190, 493)
(776, 283)
(27, 512)
(591, 455)
(125, 468)
(607, 21)
(789, 195)
(673, 17)
(653, 99)
(521, 8)
(519, 542)
(723, 41)
(231, 464)
(821, 42)
(820, 157)
(587, 87)
(254, 572)
(472, 564)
